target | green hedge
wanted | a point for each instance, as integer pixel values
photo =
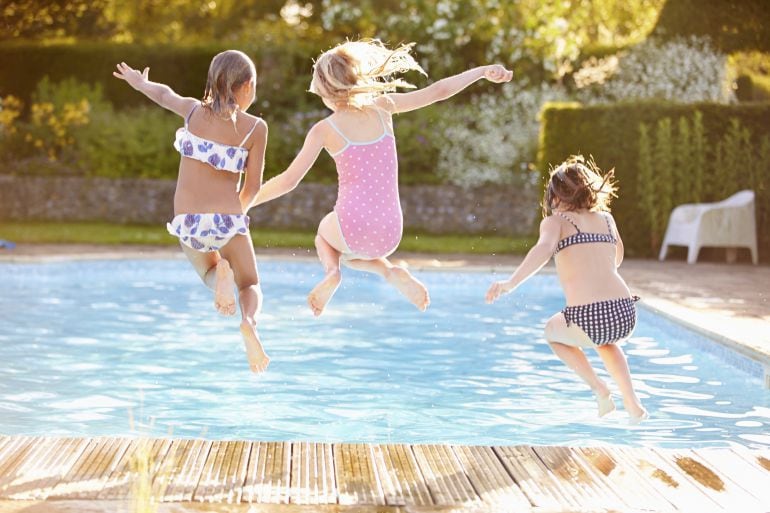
(134, 138)
(701, 152)
(283, 74)
(731, 24)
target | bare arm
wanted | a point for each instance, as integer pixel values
(161, 94)
(289, 179)
(619, 249)
(536, 258)
(255, 165)
(444, 88)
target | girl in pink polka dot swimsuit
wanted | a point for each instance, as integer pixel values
(355, 80)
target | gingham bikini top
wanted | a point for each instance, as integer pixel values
(585, 237)
(220, 156)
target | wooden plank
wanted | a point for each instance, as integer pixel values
(184, 472)
(125, 476)
(715, 483)
(113, 470)
(535, 479)
(232, 489)
(748, 476)
(13, 456)
(212, 469)
(268, 478)
(45, 466)
(579, 480)
(312, 473)
(758, 458)
(667, 479)
(356, 473)
(400, 477)
(489, 478)
(81, 482)
(444, 476)
(633, 486)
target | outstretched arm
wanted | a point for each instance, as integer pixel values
(279, 185)
(444, 88)
(161, 94)
(536, 258)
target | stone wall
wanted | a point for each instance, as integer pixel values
(433, 209)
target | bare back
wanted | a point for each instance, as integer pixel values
(200, 186)
(588, 271)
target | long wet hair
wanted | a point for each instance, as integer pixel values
(228, 71)
(355, 73)
(578, 184)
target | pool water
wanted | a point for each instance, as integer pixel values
(134, 346)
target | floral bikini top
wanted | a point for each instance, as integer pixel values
(220, 156)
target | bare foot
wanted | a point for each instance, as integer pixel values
(636, 419)
(224, 290)
(258, 360)
(636, 412)
(606, 404)
(409, 286)
(323, 292)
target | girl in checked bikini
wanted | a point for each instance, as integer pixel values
(218, 143)
(355, 81)
(579, 232)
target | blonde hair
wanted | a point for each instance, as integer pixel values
(228, 71)
(579, 184)
(357, 72)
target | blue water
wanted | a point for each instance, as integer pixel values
(135, 346)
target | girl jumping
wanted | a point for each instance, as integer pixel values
(579, 232)
(355, 80)
(218, 143)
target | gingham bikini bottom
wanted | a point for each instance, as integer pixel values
(605, 322)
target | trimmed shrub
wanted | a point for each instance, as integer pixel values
(731, 24)
(727, 151)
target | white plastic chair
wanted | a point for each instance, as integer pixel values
(728, 223)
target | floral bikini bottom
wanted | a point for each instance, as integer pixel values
(207, 232)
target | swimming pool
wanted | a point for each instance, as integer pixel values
(89, 345)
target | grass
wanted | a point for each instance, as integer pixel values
(110, 234)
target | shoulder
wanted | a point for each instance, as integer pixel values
(550, 222)
(386, 103)
(319, 129)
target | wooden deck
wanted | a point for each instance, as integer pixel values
(52, 474)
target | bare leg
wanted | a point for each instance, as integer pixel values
(616, 364)
(409, 286)
(329, 245)
(240, 253)
(562, 339)
(216, 274)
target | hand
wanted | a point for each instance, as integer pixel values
(496, 290)
(131, 75)
(497, 73)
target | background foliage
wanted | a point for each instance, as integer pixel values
(664, 155)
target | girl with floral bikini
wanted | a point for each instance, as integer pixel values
(218, 143)
(580, 234)
(355, 80)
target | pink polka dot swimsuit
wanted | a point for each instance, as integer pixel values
(368, 206)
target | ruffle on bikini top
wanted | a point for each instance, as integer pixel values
(220, 156)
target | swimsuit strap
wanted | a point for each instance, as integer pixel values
(187, 119)
(382, 121)
(569, 220)
(336, 129)
(609, 226)
(249, 133)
